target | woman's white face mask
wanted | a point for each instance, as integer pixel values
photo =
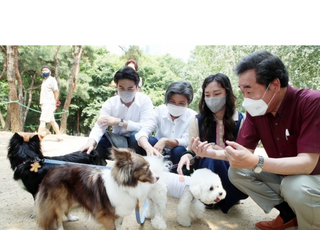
(127, 96)
(256, 107)
(176, 111)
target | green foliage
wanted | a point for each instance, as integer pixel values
(303, 63)
(98, 66)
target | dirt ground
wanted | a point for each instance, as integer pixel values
(17, 204)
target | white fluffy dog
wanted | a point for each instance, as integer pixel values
(202, 187)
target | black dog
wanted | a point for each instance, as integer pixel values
(29, 164)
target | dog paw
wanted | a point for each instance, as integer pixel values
(186, 222)
(72, 218)
(158, 223)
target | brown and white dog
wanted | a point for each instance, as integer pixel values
(108, 195)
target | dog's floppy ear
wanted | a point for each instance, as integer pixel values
(196, 189)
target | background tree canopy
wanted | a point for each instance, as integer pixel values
(97, 67)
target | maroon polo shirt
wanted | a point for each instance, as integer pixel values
(299, 114)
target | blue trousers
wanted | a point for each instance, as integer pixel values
(221, 168)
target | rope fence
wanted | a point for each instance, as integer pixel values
(37, 111)
(34, 110)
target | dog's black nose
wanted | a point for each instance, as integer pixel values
(157, 178)
(220, 193)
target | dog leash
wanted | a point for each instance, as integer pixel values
(56, 162)
(176, 165)
(140, 219)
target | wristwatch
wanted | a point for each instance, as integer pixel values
(258, 168)
(121, 123)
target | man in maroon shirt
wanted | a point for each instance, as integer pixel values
(287, 121)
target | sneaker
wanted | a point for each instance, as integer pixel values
(59, 138)
(276, 224)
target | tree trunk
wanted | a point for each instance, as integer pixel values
(21, 98)
(57, 65)
(13, 108)
(78, 122)
(73, 78)
(2, 122)
(28, 94)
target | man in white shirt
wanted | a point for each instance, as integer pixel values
(125, 112)
(49, 96)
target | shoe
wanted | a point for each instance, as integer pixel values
(276, 224)
(59, 138)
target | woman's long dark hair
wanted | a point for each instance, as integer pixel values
(207, 118)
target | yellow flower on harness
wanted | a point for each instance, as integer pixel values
(34, 167)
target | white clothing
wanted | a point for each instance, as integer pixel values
(48, 87)
(161, 121)
(47, 112)
(137, 113)
(176, 183)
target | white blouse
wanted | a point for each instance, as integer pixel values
(161, 121)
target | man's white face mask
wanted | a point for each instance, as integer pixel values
(256, 107)
(127, 96)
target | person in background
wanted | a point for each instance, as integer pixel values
(217, 121)
(134, 64)
(49, 96)
(287, 121)
(171, 123)
(125, 112)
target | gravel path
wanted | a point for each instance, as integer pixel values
(16, 204)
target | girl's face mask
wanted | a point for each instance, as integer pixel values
(215, 104)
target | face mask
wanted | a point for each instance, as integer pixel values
(176, 111)
(126, 96)
(256, 107)
(215, 104)
(46, 74)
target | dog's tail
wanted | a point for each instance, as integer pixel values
(158, 165)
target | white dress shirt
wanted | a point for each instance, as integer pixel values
(161, 121)
(137, 113)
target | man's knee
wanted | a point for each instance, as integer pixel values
(294, 188)
(234, 174)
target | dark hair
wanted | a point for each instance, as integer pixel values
(134, 62)
(207, 120)
(127, 73)
(45, 66)
(267, 66)
(179, 87)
